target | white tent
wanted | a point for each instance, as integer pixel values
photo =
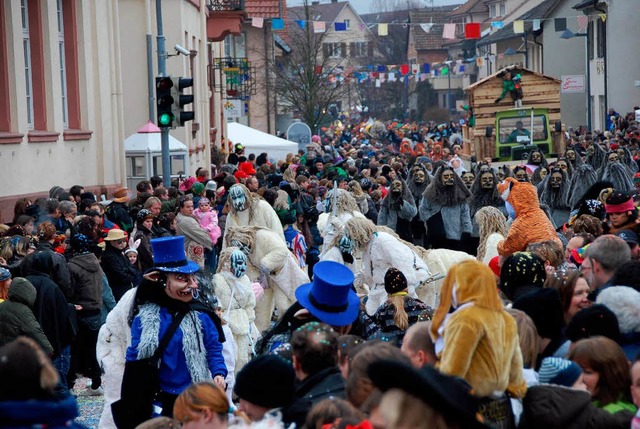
(257, 142)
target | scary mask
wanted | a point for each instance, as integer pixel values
(590, 151)
(448, 178)
(536, 158)
(429, 166)
(556, 180)
(244, 248)
(419, 177)
(238, 198)
(501, 175)
(396, 187)
(486, 180)
(543, 172)
(562, 164)
(456, 148)
(346, 244)
(467, 178)
(571, 155)
(613, 157)
(621, 154)
(238, 263)
(521, 175)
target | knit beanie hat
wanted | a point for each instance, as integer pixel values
(394, 281)
(563, 372)
(522, 272)
(211, 185)
(143, 215)
(197, 188)
(544, 306)
(592, 321)
(4, 274)
(267, 381)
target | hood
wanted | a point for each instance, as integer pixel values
(22, 291)
(87, 262)
(522, 196)
(555, 407)
(471, 282)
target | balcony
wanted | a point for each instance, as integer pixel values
(225, 17)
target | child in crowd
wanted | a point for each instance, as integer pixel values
(207, 218)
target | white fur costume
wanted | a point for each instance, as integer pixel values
(330, 224)
(238, 303)
(111, 349)
(258, 213)
(270, 256)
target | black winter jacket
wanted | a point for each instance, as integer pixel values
(313, 389)
(120, 273)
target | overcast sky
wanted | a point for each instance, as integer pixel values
(364, 6)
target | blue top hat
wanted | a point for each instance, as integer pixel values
(169, 256)
(330, 296)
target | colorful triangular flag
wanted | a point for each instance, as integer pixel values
(472, 30)
(257, 22)
(277, 24)
(426, 68)
(340, 26)
(319, 27)
(383, 29)
(449, 31)
(518, 26)
(415, 68)
(497, 24)
(302, 24)
(479, 61)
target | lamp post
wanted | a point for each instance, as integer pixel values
(568, 34)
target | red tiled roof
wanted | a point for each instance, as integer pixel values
(433, 39)
(471, 6)
(327, 12)
(263, 8)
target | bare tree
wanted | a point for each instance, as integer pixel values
(392, 5)
(309, 81)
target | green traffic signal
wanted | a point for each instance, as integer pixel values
(165, 119)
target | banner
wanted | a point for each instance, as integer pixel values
(233, 108)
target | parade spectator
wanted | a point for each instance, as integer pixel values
(624, 302)
(117, 211)
(418, 346)
(197, 240)
(574, 291)
(606, 373)
(28, 395)
(116, 265)
(265, 387)
(202, 406)
(16, 316)
(143, 232)
(601, 259)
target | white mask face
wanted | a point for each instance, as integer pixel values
(238, 198)
(238, 263)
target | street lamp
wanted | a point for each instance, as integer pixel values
(568, 34)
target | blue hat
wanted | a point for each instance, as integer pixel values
(330, 296)
(4, 274)
(169, 255)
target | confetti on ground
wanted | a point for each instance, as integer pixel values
(90, 407)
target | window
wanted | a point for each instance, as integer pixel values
(503, 9)
(359, 50)
(136, 166)
(177, 165)
(333, 50)
(234, 46)
(492, 11)
(347, 23)
(590, 37)
(600, 43)
(508, 133)
(26, 46)
(63, 72)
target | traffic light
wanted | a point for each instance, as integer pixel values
(165, 95)
(182, 83)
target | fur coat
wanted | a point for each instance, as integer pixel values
(478, 340)
(260, 213)
(113, 339)
(270, 259)
(531, 224)
(238, 302)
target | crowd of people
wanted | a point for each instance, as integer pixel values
(372, 280)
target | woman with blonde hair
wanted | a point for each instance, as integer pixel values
(400, 310)
(492, 227)
(203, 406)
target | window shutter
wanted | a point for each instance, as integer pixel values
(343, 50)
(325, 49)
(370, 50)
(352, 50)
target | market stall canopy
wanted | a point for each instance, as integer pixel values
(256, 141)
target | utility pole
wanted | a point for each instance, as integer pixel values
(162, 71)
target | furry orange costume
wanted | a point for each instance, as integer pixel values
(531, 225)
(480, 339)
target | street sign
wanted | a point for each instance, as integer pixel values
(300, 133)
(572, 84)
(233, 108)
